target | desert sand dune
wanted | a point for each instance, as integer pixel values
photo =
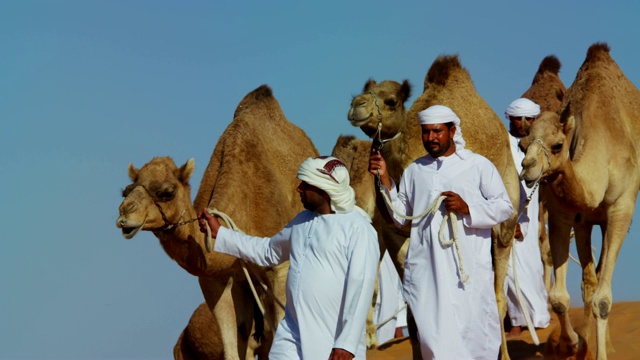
(624, 329)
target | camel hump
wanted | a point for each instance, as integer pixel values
(549, 64)
(261, 94)
(441, 69)
(597, 51)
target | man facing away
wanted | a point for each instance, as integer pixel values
(528, 264)
(333, 252)
(449, 287)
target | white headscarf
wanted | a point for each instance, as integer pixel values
(522, 107)
(440, 114)
(331, 175)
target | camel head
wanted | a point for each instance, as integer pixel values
(158, 198)
(380, 103)
(546, 147)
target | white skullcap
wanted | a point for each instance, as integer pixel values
(440, 114)
(523, 107)
(331, 175)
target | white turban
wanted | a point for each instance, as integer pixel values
(440, 114)
(523, 107)
(331, 175)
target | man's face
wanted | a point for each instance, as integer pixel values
(312, 198)
(438, 139)
(518, 125)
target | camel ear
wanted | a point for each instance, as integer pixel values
(133, 172)
(185, 171)
(569, 125)
(405, 91)
(368, 85)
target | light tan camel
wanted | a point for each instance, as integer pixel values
(546, 90)
(446, 83)
(251, 177)
(589, 157)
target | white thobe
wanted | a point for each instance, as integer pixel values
(332, 272)
(389, 301)
(529, 267)
(455, 320)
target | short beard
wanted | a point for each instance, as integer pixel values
(440, 152)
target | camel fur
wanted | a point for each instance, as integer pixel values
(546, 90)
(251, 177)
(446, 83)
(588, 155)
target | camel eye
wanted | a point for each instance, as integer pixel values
(165, 194)
(391, 103)
(556, 148)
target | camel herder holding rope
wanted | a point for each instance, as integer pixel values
(526, 249)
(448, 285)
(333, 252)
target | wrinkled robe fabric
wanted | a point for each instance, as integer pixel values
(528, 266)
(389, 301)
(455, 320)
(333, 265)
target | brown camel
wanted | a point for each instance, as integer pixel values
(251, 177)
(588, 155)
(446, 83)
(200, 339)
(547, 90)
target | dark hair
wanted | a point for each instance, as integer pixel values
(449, 125)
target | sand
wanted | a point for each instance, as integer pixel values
(624, 326)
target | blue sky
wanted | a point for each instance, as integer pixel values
(86, 87)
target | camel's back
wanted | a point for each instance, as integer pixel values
(604, 104)
(254, 166)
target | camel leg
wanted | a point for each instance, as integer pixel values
(619, 218)
(501, 253)
(545, 248)
(589, 279)
(219, 298)
(560, 228)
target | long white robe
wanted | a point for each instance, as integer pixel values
(333, 265)
(389, 301)
(529, 267)
(455, 320)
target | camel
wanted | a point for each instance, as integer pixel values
(446, 83)
(588, 155)
(251, 177)
(200, 339)
(546, 90)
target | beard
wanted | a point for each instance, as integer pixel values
(436, 149)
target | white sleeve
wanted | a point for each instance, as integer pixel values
(359, 283)
(494, 206)
(258, 250)
(399, 201)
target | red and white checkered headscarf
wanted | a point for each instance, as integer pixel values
(331, 175)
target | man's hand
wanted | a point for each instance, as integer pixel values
(340, 354)
(377, 166)
(518, 236)
(454, 203)
(203, 218)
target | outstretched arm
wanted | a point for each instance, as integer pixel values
(262, 251)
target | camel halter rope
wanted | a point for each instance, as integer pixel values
(167, 224)
(378, 133)
(209, 244)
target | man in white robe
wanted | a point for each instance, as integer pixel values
(526, 249)
(449, 287)
(333, 252)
